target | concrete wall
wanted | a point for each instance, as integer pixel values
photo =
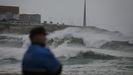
(9, 16)
(24, 29)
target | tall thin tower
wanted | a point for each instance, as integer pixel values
(84, 19)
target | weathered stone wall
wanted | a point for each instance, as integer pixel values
(24, 29)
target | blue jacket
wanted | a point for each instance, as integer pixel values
(38, 58)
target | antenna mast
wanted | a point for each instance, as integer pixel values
(84, 19)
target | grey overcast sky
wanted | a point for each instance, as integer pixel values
(109, 14)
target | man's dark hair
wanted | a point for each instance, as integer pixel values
(37, 30)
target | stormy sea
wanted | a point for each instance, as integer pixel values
(82, 51)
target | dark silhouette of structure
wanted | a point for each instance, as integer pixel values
(9, 13)
(84, 19)
(30, 18)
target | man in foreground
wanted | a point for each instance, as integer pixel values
(39, 60)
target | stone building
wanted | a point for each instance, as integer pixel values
(9, 13)
(30, 18)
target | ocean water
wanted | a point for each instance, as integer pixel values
(79, 55)
(78, 65)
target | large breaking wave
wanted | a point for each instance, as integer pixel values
(72, 43)
(90, 42)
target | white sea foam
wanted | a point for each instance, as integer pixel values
(88, 39)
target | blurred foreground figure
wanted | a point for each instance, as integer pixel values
(39, 60)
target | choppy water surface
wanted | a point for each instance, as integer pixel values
(82, 67)
(73, 53)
